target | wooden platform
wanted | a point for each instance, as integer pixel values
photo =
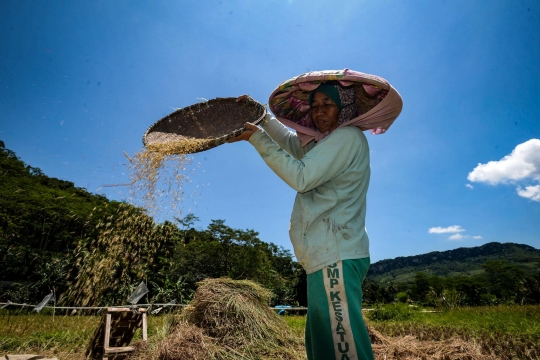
(114, 334)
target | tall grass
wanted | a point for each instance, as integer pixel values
(515, 320)
(37, 333)
(65, 337)
(297, 323)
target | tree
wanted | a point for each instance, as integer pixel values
(421, 287)
(41, 220)
(501, 279)
(529, 290)
(239, 254)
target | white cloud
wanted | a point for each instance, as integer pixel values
(469, 186)
(522, 164)
(530, 192)
(456, 237)
(477, 237)
(446, 230)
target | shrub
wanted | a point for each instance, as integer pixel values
(402, 297)
(388, 312)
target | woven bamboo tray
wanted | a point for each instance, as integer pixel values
(216, 120)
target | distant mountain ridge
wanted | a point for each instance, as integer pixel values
(461, 261)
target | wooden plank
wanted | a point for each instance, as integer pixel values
(144, 328)
(107, 339)
(111, 310)
(126, 309)
(116, 350)
(95, 348)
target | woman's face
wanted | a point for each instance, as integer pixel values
(324, 112)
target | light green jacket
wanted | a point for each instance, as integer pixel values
(332, 179)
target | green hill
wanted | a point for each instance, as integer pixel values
(452, 263)
(94, 251)
(41, 218)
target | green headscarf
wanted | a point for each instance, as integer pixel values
(329, 90)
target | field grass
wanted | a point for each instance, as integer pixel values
(515, 320)
(39, 334)
(509, 332)
(64, 336)
(510, 320)
(297, 323)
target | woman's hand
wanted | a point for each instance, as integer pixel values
(242, 97)
(246, 134)
(249, 127)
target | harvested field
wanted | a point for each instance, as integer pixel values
(67, 336)
(491, 346)
(231, 320)
(506, 332)
(409, 348)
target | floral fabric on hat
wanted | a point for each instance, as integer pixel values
(348, 99)
(368, 102)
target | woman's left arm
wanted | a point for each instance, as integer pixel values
(285, 138)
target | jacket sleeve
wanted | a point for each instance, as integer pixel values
(329, 158)
(285, 138)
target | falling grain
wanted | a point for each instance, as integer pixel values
(159, 173)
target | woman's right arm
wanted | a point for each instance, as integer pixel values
(324, 162)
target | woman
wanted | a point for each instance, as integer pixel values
(328, 220)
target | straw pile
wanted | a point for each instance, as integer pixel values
(189, 342)
(228, 319)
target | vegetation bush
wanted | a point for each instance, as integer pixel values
(402, 297)
(391, 312)
(500, 283)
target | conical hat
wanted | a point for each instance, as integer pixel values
(378, 104)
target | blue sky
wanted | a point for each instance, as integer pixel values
(80, 82)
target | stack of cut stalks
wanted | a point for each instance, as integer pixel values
(227, 319)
